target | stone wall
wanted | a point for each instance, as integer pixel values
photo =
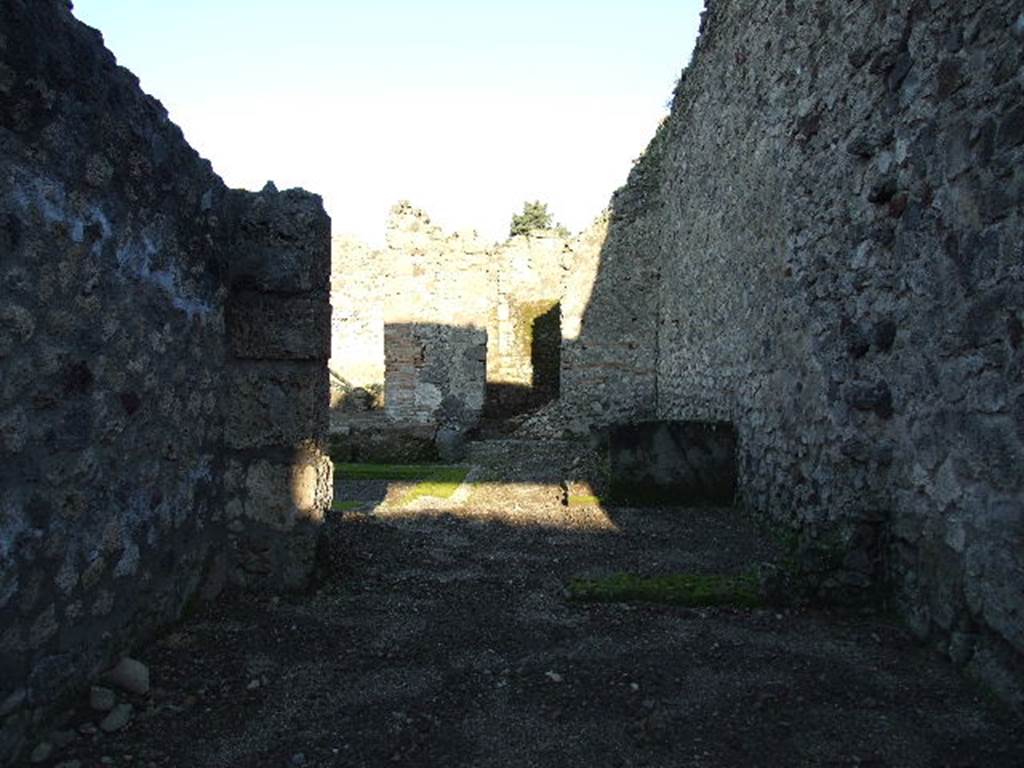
(435, 376)
(357, 318)
(532, 297)
(828, 228)
(429, 279)
(525, 320)
(609, 349)
(277, 477)
(135, 441)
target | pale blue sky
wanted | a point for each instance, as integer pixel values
(465, 108)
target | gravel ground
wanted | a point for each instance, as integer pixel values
(440, 635)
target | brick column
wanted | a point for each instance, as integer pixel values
(278, 478)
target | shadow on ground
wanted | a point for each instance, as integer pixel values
(443, 637)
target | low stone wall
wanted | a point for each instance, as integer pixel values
(162, 369)
(686, 464)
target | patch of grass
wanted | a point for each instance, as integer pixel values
(345, 506)
(686, 589)
(583, 500)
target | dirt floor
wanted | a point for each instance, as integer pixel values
(440, 635)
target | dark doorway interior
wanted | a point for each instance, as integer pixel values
(541, 339)
(546, 354)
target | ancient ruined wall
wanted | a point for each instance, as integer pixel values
(122, 394)
(525, 329)
(111, 348)
(435, 374)
(427, 278)
(423, 276)
(357, 320)
(609, 306)
(277, 477)
(836, 213)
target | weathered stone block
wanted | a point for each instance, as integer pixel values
(276, 403)
(274, 544)
(681, 463)
(273, 327)
(280, 494)
(283, 243)
(434, 373)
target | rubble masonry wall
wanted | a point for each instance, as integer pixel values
(830, 228)
(163, 381)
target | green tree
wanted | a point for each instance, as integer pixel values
(535, 215)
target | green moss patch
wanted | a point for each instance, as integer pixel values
(686, 589)
(346, 506)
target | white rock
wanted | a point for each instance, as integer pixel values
(130, 675)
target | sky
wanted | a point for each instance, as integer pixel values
(466, 108)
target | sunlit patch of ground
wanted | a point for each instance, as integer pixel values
(361, 486)
(409, 491)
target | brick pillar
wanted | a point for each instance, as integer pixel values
(278, 477)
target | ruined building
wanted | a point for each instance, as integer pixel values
(822, 245)
(445, 330)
